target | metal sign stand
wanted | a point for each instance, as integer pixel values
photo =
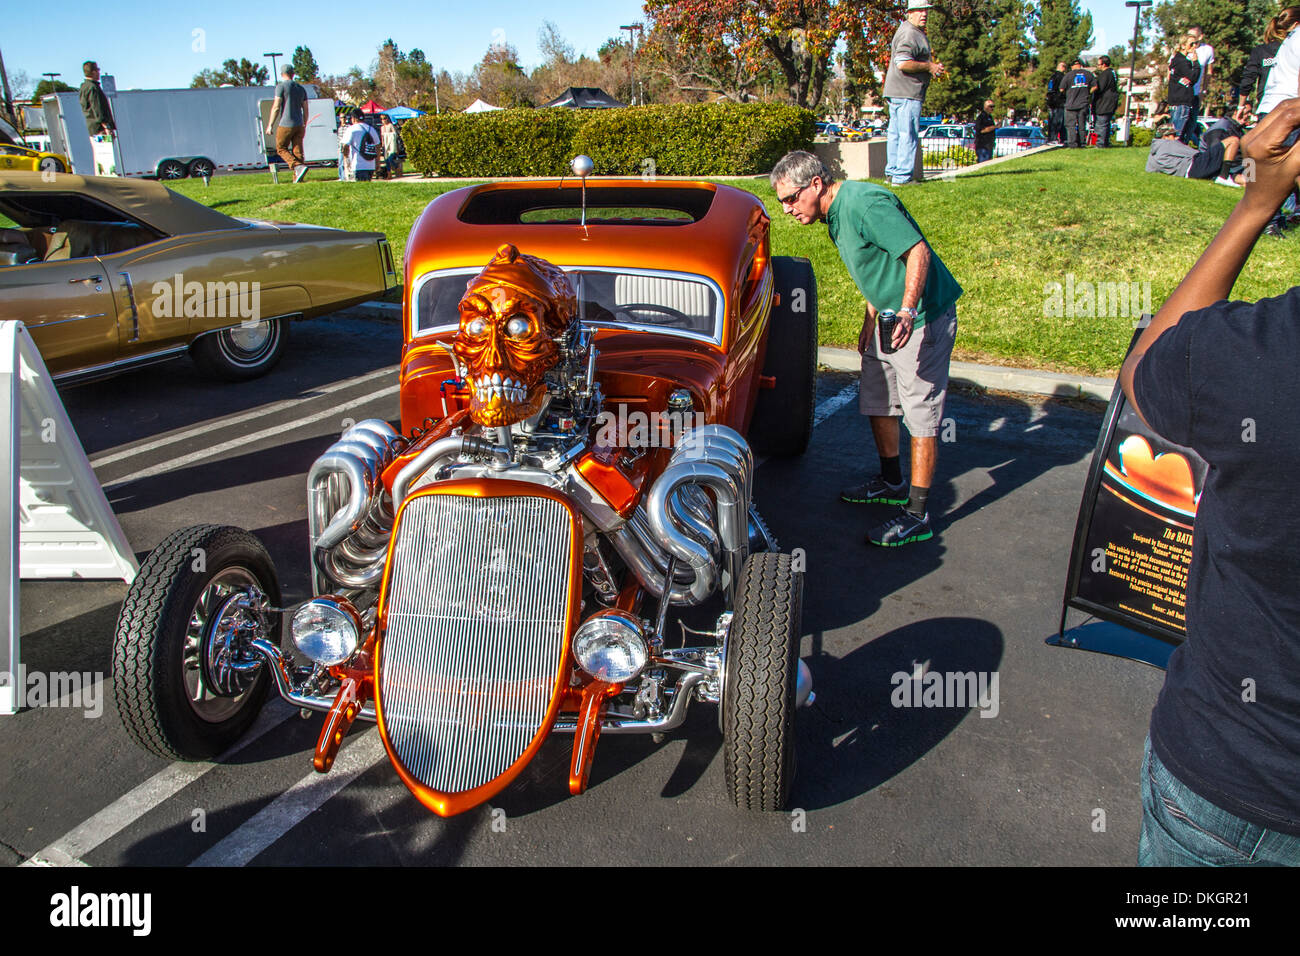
(55, 520)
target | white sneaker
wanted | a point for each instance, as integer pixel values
(299, 173)
(1225, 181)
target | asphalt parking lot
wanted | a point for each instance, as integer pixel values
(1045, 774)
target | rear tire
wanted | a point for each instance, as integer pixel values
(240, 354)
(202, 167)
(161, 664)
(758, 692)
(783, 416)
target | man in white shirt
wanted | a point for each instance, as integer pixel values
(1204, 56)
(360, 147)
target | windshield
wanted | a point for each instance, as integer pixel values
(622, 297)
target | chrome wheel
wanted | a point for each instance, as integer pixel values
(217, 669)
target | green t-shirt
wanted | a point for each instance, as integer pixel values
(872, 232)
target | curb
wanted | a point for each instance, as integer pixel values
(1032, 381)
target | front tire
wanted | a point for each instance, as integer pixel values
(176, 696)
(242, 353)
(782, 424)
(759, 684)
(172, 169)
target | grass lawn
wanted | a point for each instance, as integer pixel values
(1006, 234)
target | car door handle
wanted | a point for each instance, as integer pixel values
(95, 279)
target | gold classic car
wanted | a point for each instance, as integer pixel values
(109, 274)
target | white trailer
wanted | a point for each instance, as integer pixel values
(171, 134)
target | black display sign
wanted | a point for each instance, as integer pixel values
(1133, 539)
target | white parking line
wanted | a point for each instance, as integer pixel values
(68, 849)
(215, 450)
(294, 805)
(833, 404)
(262, 411)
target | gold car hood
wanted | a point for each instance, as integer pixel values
(145, 201)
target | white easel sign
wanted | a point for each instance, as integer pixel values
(54, 519)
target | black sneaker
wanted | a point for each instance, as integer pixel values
(1273, 230)
(877, 491)
(903, 528)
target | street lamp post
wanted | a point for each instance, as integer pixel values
(1137, 6)
(273, 73)
(631, 87)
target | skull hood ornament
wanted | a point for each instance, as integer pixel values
(511, 317)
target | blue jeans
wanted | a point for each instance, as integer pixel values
(904, 135)
(983, 155)
(1179, 117)
(1181, 828)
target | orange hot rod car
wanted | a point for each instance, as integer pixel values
(571, 478)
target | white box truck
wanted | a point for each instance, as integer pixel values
(171, 134)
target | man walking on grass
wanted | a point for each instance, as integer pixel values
(290, 109)
(894, 268)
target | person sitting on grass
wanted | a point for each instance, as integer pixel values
(1216, 159)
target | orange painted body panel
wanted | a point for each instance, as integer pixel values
(728, 245)
(449, 804)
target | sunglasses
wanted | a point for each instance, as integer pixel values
(790, 199)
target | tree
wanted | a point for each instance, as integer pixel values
(500, 80)
(722, 46)
(1061, 32)
(45, 86)
(244, 73)
(305, 68)
(210, 78)
(1232, 27)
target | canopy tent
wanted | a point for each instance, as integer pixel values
(371, 107)
(403, 113)
(478, 106)
(585, 98)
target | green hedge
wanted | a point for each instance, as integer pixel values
(1141, 137)
(682, 140)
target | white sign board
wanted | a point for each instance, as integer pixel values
(54, 518)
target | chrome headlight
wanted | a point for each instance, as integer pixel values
(326, 630)
(610, 646)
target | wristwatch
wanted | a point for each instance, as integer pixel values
(911, 313)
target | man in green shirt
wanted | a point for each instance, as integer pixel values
(894, 268)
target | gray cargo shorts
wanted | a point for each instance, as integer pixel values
(912, 382)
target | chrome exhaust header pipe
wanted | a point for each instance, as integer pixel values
(348, 515)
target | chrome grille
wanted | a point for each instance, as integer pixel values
(475, 633)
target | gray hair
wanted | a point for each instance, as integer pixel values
(799, 168)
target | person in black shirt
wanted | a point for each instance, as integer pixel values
(984, 127)
(1078, 98)
(94, 102)
(1105, 98)
(1184, 71)
(1221, 775)
(1056, 105)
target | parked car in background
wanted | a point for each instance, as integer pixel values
(109, 274)
(941, 136)
(1016, 139)
(31, 159)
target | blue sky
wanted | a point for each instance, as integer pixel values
(145, 48)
